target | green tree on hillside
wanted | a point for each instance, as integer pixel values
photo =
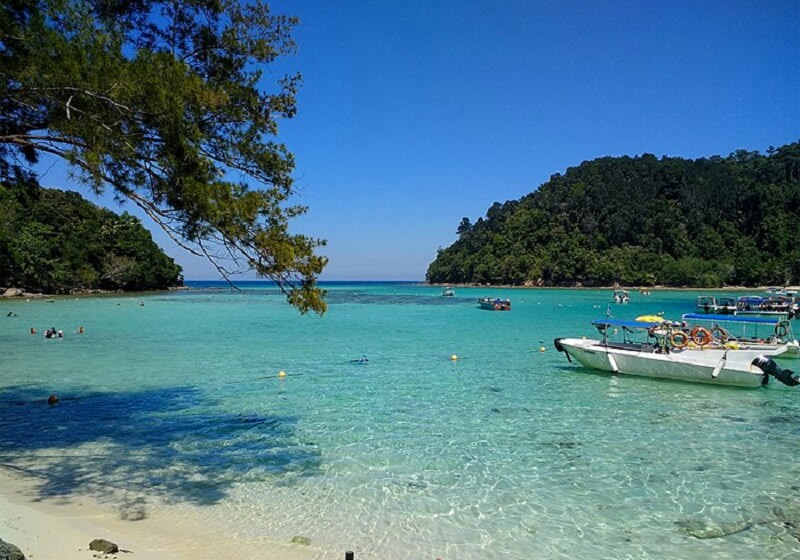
(55, 242)
(164, 102)
(642, 221)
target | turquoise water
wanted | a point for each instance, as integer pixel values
(507, 452)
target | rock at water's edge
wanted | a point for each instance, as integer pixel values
(707, 529)
(104, 546)
(10, 552)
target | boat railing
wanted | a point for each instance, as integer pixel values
(695, 331)
(743, 329)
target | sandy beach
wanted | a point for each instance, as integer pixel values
(44, 530)
(62, 530)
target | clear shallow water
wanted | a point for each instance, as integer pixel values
(506, 453)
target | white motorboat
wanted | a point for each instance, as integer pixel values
(726, 305)
(718, 366)
(706, 304)
(719, 305)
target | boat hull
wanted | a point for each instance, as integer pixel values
(691, 365)
(790, 350)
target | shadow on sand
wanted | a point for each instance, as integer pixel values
(127, 448)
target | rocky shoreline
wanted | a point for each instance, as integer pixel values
(11, 293)
(21, 293)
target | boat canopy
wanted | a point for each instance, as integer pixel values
(751, 299)
(729, 318)
(605, 323)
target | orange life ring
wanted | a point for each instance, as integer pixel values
(701, 336)
(684, 339)
(720, 334)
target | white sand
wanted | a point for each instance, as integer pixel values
(46, 531)
(52, 530)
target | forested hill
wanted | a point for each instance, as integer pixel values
(642, 221)
(55, 242)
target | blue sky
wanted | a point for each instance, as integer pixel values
(415, 114)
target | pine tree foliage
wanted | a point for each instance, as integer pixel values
(165, 103)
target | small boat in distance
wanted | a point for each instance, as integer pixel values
(726, 305)
(719, 306)
(448, 292)
(494, 304)
(706, 304)
(788, 296)
(771, 306)
(621, 296)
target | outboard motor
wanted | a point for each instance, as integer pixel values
(560, 348)
(768, 366)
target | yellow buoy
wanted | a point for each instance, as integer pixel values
(454, 357)
(542, 349)
(281, 373)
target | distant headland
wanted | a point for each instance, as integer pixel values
(57, 243)
(641, 221)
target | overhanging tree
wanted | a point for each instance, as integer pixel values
(163, 102)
